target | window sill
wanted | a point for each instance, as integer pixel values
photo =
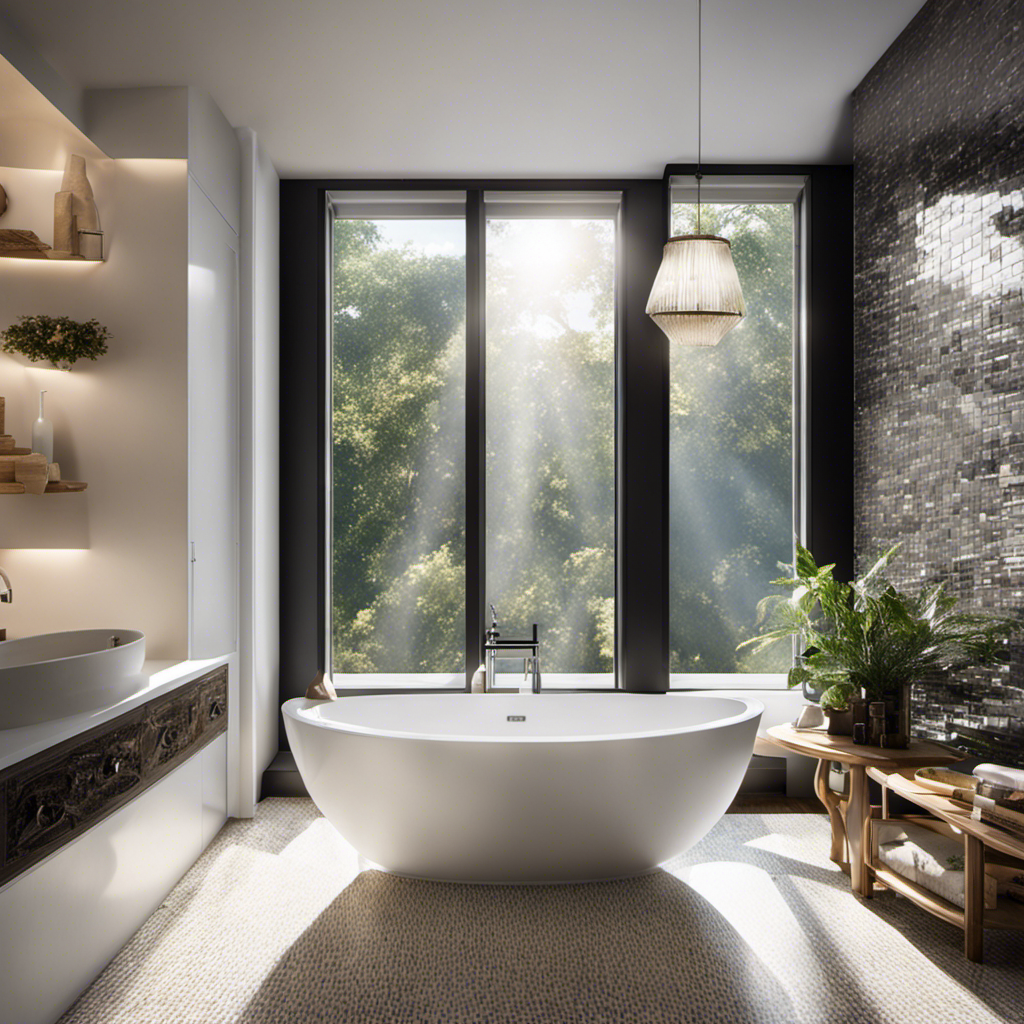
(384, 681)
(727, 681)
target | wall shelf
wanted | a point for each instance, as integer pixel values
(25, 474)
(25, 471)
(53, 257)
(53, 487)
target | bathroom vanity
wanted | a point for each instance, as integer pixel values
(103, 813)
(51, 798)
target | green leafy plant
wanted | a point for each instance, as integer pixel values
(838, 697)
(56, 339)
(867, 635)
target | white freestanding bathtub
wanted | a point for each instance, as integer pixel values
(522, 788)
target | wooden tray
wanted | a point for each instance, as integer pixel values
(946, 782)
(65, 486)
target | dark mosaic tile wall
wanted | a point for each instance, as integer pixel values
(939, 227)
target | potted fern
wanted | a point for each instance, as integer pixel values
(867, 640)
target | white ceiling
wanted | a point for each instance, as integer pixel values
(466, 87)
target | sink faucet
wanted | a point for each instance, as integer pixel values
(7, 594)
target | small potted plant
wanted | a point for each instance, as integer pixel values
(868, 640)
(58, 340)
(837, 702)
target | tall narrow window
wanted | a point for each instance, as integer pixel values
(550, 435)
(397, 434)
(731, 447)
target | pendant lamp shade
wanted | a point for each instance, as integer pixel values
(696, 298)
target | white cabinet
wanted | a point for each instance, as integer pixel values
(212, 428)
(164, 126)
(214, 217)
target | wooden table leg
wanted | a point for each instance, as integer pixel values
(830, 801)
(858, 812)
(974, 898)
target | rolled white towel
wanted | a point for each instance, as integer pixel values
(999, 775)
(890, 832)
(928, 858)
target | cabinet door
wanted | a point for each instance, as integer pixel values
(213, 429)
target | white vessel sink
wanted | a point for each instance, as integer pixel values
(54, 675)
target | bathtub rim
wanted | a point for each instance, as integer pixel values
(294, 707)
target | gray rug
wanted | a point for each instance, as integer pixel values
(276, 924)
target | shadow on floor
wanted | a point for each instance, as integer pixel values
(647, 949)
(998, 981)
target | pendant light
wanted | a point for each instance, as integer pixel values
(696, 298)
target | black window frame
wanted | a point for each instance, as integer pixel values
(756, 190)
(642, 387)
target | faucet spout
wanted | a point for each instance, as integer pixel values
(7, 593)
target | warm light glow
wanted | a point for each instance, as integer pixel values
(696, 298)
(542, 251)
(52, 554)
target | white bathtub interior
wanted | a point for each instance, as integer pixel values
(562, 717)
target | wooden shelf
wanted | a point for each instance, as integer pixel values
(820, 744)
(918, 894)
(65, 486)
(951, 818)
(952, 812)
(51, 256)
(24, 471)
(849, 817)
(53, 487)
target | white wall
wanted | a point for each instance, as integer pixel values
(119, 423)
(259, 365)
(135, 425)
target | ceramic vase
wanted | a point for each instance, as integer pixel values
(83, 207)
(840, 723)
(42, 433)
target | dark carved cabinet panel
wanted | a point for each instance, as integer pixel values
(57, 794)
(170, 727)
(47, 799)
(214, 700)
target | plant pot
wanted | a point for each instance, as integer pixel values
(859, 708)
(896, 723)
(840, 723)
(897, 718)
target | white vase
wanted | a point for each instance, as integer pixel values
(42, 433)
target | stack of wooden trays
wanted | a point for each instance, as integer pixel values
(23, 471)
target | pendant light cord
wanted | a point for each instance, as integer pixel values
(700, 77)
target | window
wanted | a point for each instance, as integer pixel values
(400, 394)
(683, 633)
(398, 345)
(550, 415)
(733, 477)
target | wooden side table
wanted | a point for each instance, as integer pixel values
(982, 844)
(850, 818)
